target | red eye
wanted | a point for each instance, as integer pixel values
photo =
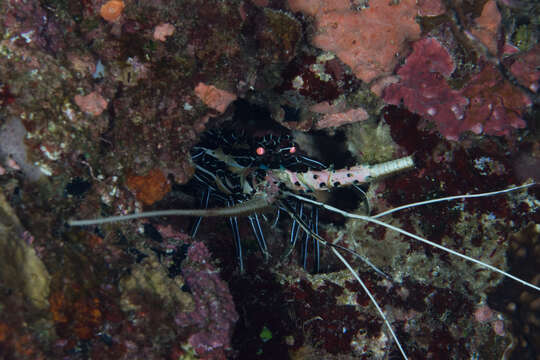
(292, 150)
(260, 151)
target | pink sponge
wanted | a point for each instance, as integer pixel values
(495, 104)
(424, 90)
(370, 41)
(526, 68)
(487, 104)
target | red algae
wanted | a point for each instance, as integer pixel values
(92, 103)
(6, 97)
(339, 119)
(162, 31)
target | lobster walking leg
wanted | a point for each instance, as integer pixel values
(233, 222)
(257, 231)
(314, 228)
(203, 205)
(295, 229)
(316, 245)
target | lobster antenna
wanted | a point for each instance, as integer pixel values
(414, 236)
(257, 203)
(334, 247)
(372, 298)
(467, 196)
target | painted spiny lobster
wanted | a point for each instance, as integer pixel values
(240, 176)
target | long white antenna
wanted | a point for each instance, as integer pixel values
(257, 203)
(414, 236)
(449, 198)
(372, 298)
(334, 248)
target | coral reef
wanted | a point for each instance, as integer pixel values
(101, 103)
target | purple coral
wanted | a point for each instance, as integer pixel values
(214, 314)
(487, 104)
(424, 90)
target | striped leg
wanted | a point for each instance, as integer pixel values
(203, 205)
(257, 231)
(233, 222)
